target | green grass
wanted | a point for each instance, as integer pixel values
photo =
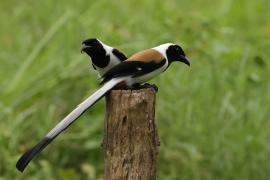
(213, 118)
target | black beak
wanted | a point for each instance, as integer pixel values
(85, 48)
(185, 60)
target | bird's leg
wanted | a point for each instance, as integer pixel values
(145, 85)
(136, 86)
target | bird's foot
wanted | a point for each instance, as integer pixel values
(145, 85)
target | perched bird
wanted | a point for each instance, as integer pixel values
(103, 57)
(137, 69)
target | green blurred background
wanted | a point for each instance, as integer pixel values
(213, 118)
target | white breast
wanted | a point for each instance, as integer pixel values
(113, 60)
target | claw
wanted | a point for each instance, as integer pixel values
(154, 87)
(145, 85)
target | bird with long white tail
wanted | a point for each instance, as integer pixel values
(137, 69)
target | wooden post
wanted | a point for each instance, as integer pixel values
(131, 140)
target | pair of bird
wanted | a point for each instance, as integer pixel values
(115, 68)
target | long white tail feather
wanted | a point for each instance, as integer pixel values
(73, 115)
(68, 120)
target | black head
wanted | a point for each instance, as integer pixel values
(92, 47)
(97, 51)
(176, 53)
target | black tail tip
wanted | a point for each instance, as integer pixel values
(31, 153)
(20, 167)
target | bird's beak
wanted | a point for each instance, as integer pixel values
(185, 60)
(85, 48)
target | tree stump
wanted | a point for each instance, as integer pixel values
(130, 140)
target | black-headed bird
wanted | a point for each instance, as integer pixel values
(137, 69)
(103, 56)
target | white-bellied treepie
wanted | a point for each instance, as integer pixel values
(137, 69)
(103, 56)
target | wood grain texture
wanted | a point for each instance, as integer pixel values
(131, 140)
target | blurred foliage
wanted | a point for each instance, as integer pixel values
(213, 118)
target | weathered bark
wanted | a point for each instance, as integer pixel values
(130, 141)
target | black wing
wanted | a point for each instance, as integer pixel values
(119, 54)
(133, 68)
